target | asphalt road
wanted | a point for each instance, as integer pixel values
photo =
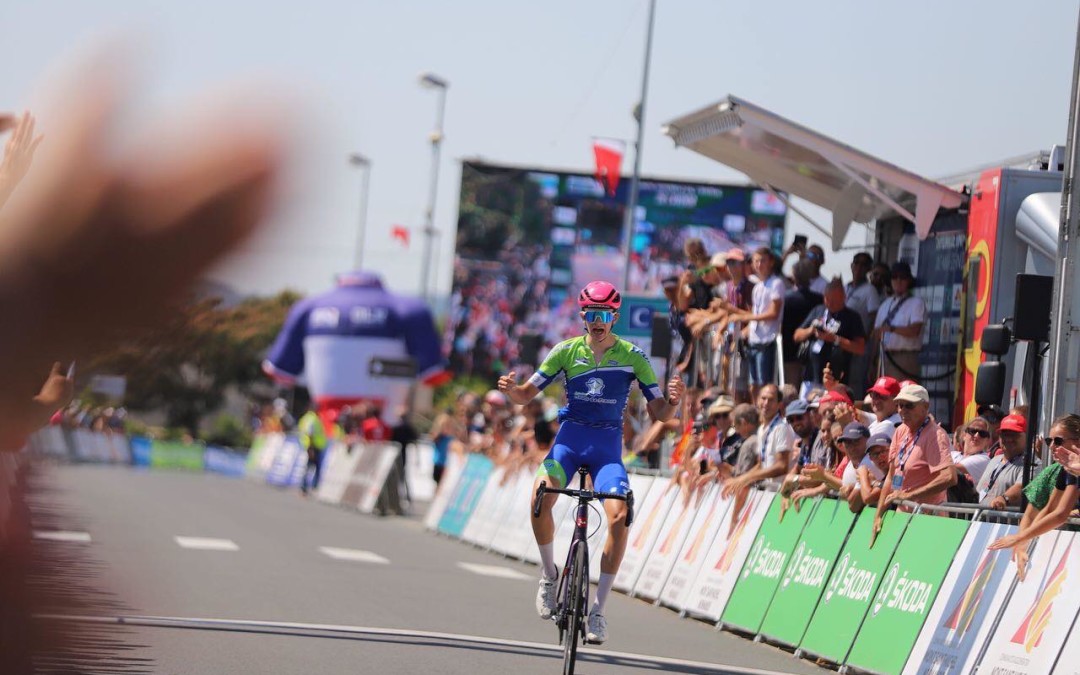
(310, 588)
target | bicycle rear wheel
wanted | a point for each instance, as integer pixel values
(575, 607)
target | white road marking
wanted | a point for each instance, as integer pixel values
(244, 624)
(493, 571)
(354, 555)
(207, 544)
(63, 535)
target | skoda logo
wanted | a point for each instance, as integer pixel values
(754, 553)
(837, 577)
(886, 588)
(796, 558)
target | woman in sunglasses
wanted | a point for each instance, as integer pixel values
(599, 368)
(1064, 442)
(972, 460)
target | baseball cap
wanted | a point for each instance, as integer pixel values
(723, 404)
(854, 431)
(913, 393)
(886, 386)
(878, 439)
(735, 254)
(904, 383)
(834, 397)
(797, 407)
(1015, 423)
(718, 260)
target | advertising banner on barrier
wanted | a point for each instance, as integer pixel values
(224, 461)
(455, 463)
(486, 516)
(419, 471)
(640, 484)
(515, 532)
(804, 579)
(372, 483)
(644, 532)
(283, 465)
(852, 585)
(906, 594)
(141, 450)
(50, 442)
(709, 593)
(765, 565)
(466, 494)
(1069, 659)
(339, 464)
(676, 526)
(709, 519)
(264, 448)
(1032, 630)
(960, 620)
(173, 455)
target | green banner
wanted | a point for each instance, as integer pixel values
(764, 566)
(176, 455)
(255, 454)
(907, 593)
(852, 585)
(806, 574)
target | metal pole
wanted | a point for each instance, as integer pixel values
(429, 216)
(358, 160)
(1061, 370)
(1032, 430)
(631, 206)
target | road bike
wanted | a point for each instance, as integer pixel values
(573, 595)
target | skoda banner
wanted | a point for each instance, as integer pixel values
(711, 589)
(960, 621)
(852, 585)
(806, 574)
(764, 567)
(906, 594)
(1030, 636)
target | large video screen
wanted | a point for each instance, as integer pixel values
(528, 239)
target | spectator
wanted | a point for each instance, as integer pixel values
(739, 451)
(816, 256)
(314, 441)
(972, 461)
(899, 326)
(883, 403)
(373, 428)
(1002, 478)
(881, 280)
(853, 441)
(920, 466)
(836, 406)
(993, 414)
(444, 431)
(798, 417)
(764, 321)
(775, 440)
(798, 302)
(862, 296)
(834, 334)
(877, 449)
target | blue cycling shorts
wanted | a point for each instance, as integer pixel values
(598, 450)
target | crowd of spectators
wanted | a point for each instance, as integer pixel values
(81, 415)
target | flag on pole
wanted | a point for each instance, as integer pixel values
(400, 233)
(609, 154)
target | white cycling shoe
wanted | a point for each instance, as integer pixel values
(597, 631)
(546, 602)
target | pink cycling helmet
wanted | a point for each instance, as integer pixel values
(599, 295)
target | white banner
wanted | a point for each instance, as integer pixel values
(338, 466)
(677, 526)
(387, 455)
(1069, 660)
(1041, 611)
(515, 533)
(454, 465)
(644, 532)
(960, 620)
(711, 516)
(485, 516)
(715, 580)
(419, 471)
(260, 465)
(529, 552)
(639, 485)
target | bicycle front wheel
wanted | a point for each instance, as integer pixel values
(576, 592)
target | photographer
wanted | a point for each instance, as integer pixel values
(833, 334)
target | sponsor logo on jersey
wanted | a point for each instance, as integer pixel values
(594, 386)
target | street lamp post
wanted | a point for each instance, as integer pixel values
(432, 81)
(362, 162)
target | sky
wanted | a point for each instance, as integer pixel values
(935, 87)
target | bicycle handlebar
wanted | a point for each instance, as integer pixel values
(587, 495)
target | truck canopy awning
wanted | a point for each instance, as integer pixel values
(1038, 222)
(784, 156)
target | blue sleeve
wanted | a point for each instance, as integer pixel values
(552, 365)
(285, 360)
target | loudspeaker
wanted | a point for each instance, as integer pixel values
(1031, 308)
(529, 352)
(990, 383)
(661, 336)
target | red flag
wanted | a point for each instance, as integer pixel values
(401, 233)
(609, 154)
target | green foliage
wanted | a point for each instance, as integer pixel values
(445, 395)
(185, 366)
(228, 431)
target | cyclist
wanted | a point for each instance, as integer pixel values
(599, 368)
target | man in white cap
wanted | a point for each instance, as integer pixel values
(920, 464)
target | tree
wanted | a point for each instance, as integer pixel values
(185, 367)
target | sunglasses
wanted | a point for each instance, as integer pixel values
(601, 315)
(906, 405)
(981, 433)
(704, 270)
(1057, 441)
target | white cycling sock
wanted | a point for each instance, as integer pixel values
(547, 560)
(603, 587)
